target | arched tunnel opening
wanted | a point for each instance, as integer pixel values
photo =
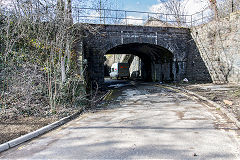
(155, 62)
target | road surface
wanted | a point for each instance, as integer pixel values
(144, 122)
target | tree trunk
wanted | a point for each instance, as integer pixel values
(63, 70)
(69, 12)
(213, 4)
(69, 23)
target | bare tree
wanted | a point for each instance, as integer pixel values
(213, 4)
(64, 39)
(37, 35)
(176, 8)
(40, 32)
(226, 7)
(103, 8)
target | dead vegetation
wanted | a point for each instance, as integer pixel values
(38, 71)
(41, 73)
(226, 95)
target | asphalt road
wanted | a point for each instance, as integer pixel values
(144, 122)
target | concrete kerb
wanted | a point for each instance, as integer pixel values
(29, 136)
(4, 147)
(223, 110)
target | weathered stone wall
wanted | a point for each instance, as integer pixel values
(219, 45)
(135, 67)
(186, 61)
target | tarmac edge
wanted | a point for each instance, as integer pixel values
(12, 143)
(223, 110)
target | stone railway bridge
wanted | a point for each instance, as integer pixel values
(166, 53)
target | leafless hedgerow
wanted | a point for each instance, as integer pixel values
(38, 72)
(37, 69)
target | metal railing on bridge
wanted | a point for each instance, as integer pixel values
(123, 17)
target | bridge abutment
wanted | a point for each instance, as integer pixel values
(167, 54)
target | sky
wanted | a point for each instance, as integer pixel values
(150, 5)
(192, 6)
(138, 5)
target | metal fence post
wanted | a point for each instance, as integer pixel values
(116, 16)
(100, 17)
(104, 18)
(191, 21)
(126, 17)
(78, 16)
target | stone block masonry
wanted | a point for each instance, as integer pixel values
(166, 53)
(219, 46)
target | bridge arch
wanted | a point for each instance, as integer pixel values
(157, 63)
(154, 45)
